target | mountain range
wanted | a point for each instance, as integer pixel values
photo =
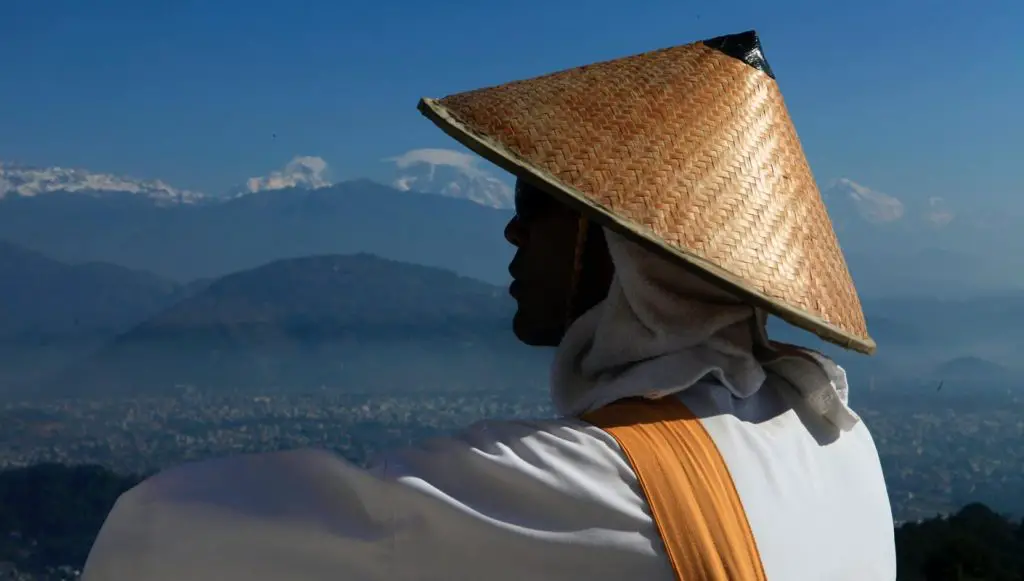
(24, 181)
(894, 247)
(361, 322)
(187, 241)
(293, 280)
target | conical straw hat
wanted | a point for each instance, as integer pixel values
(688, 150)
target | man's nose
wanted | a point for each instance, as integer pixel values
(514, 231)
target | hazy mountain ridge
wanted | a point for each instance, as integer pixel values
(922, 247)
(213, 239)
(970, 367)
(355, 322)
(42, 297)
(53, 313)
(359, 321)
(358, 291)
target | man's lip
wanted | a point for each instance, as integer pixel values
(513, 266)
(513, 287)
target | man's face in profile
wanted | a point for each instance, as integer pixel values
(544, 233)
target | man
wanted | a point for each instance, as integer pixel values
(663, 208)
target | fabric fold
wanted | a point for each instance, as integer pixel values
(662, 329)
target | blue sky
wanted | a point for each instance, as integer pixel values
(910, 97)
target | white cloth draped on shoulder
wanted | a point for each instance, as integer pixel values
(682, 329)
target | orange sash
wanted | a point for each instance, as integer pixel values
(687, 485)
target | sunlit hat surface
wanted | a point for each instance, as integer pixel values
(688, 150)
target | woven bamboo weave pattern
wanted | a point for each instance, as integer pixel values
(690, 146)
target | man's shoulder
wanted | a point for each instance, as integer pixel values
(488, 455)
(494, 485)
(549, 432)
(489, 448)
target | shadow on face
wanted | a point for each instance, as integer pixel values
(548, 291)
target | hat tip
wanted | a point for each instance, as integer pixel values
(744, 46)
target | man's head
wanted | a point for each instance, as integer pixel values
(549, 289)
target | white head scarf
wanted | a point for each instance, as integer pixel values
(661, 329)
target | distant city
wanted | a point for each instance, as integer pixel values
(936, 458)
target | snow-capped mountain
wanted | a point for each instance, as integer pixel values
(431, 171)
(856, 210)
(303, 171)
(450, 173)
(18, 180)
(844, 196)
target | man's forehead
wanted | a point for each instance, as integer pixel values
(526, 192)
(523, 187)
(530, 199)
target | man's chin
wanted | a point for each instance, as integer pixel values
(535, 335)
